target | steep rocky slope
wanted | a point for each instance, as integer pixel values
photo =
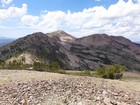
(38, 44)
(88, 52)
(101, 49)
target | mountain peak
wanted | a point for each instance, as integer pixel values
(62, 35)
(60, 31)
(88, 52)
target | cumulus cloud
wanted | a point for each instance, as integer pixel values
(122, 18)
(6, 2)
(30, 20)
(13, 12)
(136, 1)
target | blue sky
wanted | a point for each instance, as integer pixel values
(77, 17)
(34, 7)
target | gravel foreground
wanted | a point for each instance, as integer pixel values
(66, 91)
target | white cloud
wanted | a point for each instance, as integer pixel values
(13, 12)
(136, 1)
(30, 20)
(6, 2)
(122, 18)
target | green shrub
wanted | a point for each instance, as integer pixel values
(54, 67)
(51, 67)
(111, 72)
(38, 66)
(87, 73)
(15, 64)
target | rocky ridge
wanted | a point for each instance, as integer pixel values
(71, 53)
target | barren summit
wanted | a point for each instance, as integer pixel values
(63, 36)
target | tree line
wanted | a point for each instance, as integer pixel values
(109, 72)
(38, 66)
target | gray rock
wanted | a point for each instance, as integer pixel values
(72, 91)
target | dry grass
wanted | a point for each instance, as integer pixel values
(29, 58)
(16, 76)
(131, 76)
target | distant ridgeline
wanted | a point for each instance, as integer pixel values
(4, 41)
(90, 52)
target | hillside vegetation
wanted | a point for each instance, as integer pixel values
(86, 53)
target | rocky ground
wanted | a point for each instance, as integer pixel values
(56, 89)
